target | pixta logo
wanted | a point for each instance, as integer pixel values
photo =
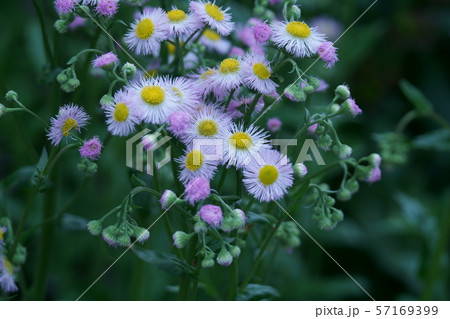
(146, 143)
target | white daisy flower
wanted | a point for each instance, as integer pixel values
(202, 80)
(121, 114)
(184, 92)
(148, 31)
(153, 99)
(269, 177)
(226, 77)
(208, 123)
(214, 42)
(297, 38)
(242, 145)
(212, 15)
(194, 164)
(182, 23)
(257, 72)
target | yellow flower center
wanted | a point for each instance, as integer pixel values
(172, 49)
(261, 71)
(206, 74)
(144, 29)
(243, 140)
(121, 112)
(1, 234)
(268, 174)
(298, 29)
(176, 15)
(229, 65)
(153, 94)
(8, 266)
(194, 160)
(68, 126)
(207, 128)
(212, 35)
(214, 12)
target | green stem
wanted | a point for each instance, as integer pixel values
(222, 180)
(48, 51)
(198, 269)
(260, 254)
(230, 97)
(249, 204)
(250, 110)
(179, 51)
(406, 119)
(439, 120)
(185, 282)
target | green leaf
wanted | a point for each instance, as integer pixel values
(73, 222)
(438, 140)
(21, 176)
(137, 182)
(416, 97)
(253, 218)
(165, 261)
(258, 292)
(40, 166)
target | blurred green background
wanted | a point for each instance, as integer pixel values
(394, 239)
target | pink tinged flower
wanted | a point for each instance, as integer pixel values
(180, 239)
(237, 52)
(148, 141)
(262, 32)
(106, 61)
(274, 124)
(91, 149)
(211, 214)
(197, 189)
(312, 129)
(70, 117)
(168, 199)
(246, 35)
(107, 7)
(351, 107)
(272, 2)
(374, 175)
(322, 86)
(224, 258)
(77, 22)
(327, 52)
(64, 6)
(178, 123)
(300, 170)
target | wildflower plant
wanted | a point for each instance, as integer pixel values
(212, 85)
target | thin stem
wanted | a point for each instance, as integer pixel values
(222, 180)
(48, 50)
(179, 51)
(250, 110)
(406, 119)
(260, 254)
(439, 120)
(230, 97)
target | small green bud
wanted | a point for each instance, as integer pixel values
(129, 69)
(123, 239)
(326, 224)
(300, 96)
(81, 166)
(181, 239)
(300, 170)
(73, 83)
(227, 224)
(337, 215)
(95, 227)
(11, 96)
(200, 226)
(342, 151)
(109, 235)
(235, 251)
(329, 201)
(141, 234)
(344, 194)
(106, 100)
(314, 82)
(259, 11)
(308, 89)
(168, 199)
(62, 78)
(20, 256)
(224, 258)
(352, 185)
(91, 168)
(342, 92)
(374, 159)
(293, 12)
(61, 26)
(320, 129)
(335, 108)
(324, 141)
(238, 218)
(208, 262)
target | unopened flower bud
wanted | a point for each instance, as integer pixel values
(342, 92)
(180, 239)
(11, 96)
(238, 218)
(91, 169)
(168, 199)
(352, 185)
(374, 159)
(324, 142)
(337, 216)
(106, 100)
(224, 258)
(314, 82)
(293, 13)
(335, 108)
(2, 110)
(235, 251)
(329, 201)
(62, 78)
(83, 11)
(61, 26)
(95, 227)
(123, 239)
(300, 170)
(200, 226)
(141, 234)
(208, 262)
(259, 11)
(343, 194)
(342, 151)
(109, 235)
(351, 108)
(20, 256)
(227, 224)
(308, 89)
(129, 69)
